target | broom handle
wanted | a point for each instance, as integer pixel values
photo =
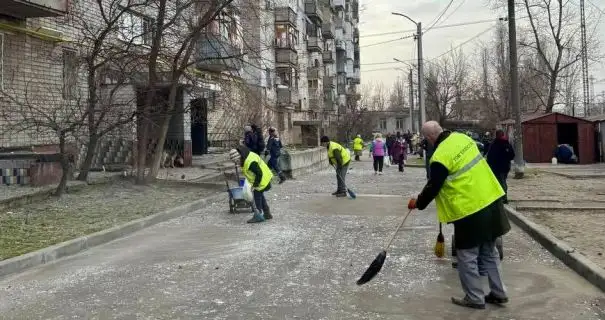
(397, 230)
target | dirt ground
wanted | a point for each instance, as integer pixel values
(545, 186)
(94, 208)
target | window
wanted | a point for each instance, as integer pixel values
(399, 123)
(313, 84)
(383, 124)
(135, 28)
(70, 73)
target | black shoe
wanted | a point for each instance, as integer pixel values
(335, 193)
(491, 298)
(466, 303)
(282, 180)
(454, 264)
(341, 194)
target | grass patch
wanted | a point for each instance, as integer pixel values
(94, 208)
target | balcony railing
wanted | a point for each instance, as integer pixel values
(285, 15)
(33, 8)
(329, 83)
(218, 54)
(313, 11)
(314, 73)
(286, 57)
(356, 76)
(314, 44)
(328, 30)
(287, 97)
(328, 56)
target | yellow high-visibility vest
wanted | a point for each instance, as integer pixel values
(357, 144)
(346, 157)
(470, 185)
(267, 174)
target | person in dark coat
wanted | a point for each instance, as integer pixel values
(274, 147)
(250, 139)
(476, 232)
(259, 140)
(499, 154)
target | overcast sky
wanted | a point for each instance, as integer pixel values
(377, 59)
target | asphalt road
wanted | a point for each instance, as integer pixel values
(301, 265)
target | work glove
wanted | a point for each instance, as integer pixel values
(412, 204)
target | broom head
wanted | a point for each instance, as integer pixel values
(373, 269)
(440, 246)
(351, 194)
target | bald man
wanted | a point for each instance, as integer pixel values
(468, 195)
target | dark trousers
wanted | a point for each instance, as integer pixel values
(502, 176)
(341, 174)
(378, 163)
(273, 164)
(399, 162)
(259, 199)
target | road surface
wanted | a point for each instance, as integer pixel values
(301, 265)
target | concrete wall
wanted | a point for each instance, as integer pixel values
(302, 162)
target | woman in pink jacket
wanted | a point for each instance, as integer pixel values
(378, 149)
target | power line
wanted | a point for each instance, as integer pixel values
(388, 41)
(596, 7)
(454, 11)
(464, 43)
(440, 16)
(436, 27)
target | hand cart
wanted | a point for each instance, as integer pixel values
(236, 195)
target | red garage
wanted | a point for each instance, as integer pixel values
(542, 133)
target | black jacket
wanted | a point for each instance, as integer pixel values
(274, 146)
(485, 225)
(499, 155)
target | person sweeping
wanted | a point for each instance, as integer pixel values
(259, 176)
(358, 147)
(468, 195)
(339, 158)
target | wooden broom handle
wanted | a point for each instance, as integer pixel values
(397, 230)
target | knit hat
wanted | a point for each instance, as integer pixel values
(247, 128)
(324, 139)
(234, 155)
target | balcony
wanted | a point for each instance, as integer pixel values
(218, 54)
(356, 76)
(341, 45)
(313, 11)
(356, 47)
(329, 103)
(315, 99)
(338, 4)
(33, 8)
(286, 58)
(314, 44)
(285, 15)
(328, 56)
(287, 98)
(327, 30)
(329, 83)
(348, 17)
(356, 33)
(356, 62)
(341, 67)
(314, 73)
(339, 23)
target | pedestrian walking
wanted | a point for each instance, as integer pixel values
(358, 147)
(390, 138)
(258, 139)
(468, 195)
(399, 151)
(259, 176)
(499, 155)
(274, 147)
(378, 150)
(339, 158)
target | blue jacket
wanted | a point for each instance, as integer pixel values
(274, 146)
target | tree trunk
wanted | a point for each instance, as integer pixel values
(65, 167)
(93, 140)
(142, 152)
(552, 92)
(159, 147)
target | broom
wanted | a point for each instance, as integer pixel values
(378, 262)
(440, 244)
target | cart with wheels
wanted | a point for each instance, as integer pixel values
(236, 196)
(499, 246)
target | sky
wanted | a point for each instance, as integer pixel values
(377, 64)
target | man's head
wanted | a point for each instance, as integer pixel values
(324, 141)
(500, 134)
(358, 136)
(247, 128)
(272, 131)
(431, 130)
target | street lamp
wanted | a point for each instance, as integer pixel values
(420, 66)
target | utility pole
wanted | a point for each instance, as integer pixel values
(519, 167)
(420, 76)
(584, 57)
(412, 101)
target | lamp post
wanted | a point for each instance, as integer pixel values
(420, 67)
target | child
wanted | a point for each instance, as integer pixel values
(259, 176)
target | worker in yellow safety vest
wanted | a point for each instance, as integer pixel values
(468, 195)
(358, 147)
(339, 158)
(259, 176)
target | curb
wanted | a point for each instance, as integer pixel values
(560, 249)
(70, 247)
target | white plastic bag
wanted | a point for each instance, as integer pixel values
(247, 191)
(387, 161)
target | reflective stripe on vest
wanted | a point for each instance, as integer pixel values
(346, 157)
(250, 176)
(470, 186)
